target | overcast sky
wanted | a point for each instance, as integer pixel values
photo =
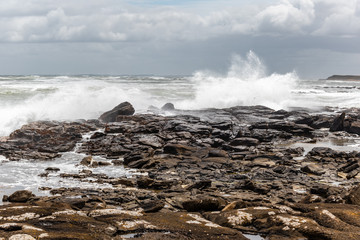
(316, 38)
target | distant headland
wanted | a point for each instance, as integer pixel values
(344, 77)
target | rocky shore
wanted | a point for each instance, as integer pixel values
(207, 174)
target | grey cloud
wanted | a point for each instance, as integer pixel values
(117, 21)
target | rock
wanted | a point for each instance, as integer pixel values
(338, 124)
(52, 169)
(21, 196)
(178, 149)
(44, 140)
(5, 198)
(203, 204)
(200, 185)
(355, 127)
(263, 162)
(97, 135)
(354, 196)
(124, 108)
(218, 153)
(152, 206)
(313, 169)
(244, 141)
(21, 237)
(289, 127)
(87, 161)
(168, 107)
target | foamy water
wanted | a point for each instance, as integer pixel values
(247, 82)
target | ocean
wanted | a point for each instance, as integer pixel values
(26, 98)
(66, 97)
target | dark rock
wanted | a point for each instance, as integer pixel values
(168, 107)
(21, 196)
(218, 153)
(52, 169)
(124, 108)
(148, 183)
(152, 206)
(355, 127)
(338, 124)
(244, 141)
(204, 204)
(178, 149)
(354, 196)
(75, 203)
(200, 185)
(280, 169)
(97, 135)
(286, 126)
(87, 161)
(5, 198)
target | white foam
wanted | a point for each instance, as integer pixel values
(245, 83)
(65, 99)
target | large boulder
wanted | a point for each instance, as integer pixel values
(338, 124)
(124, 108)
(168, 107)
(21, 196)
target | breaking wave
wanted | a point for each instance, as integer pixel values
(245, 83)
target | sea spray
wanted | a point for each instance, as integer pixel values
(245, 83)
(64, 100)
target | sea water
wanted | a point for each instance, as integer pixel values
(246, 82)
(29, 98)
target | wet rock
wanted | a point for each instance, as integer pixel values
(200, 185)
(354, 196)
(168, 107)
(145, 182)
(203, 204)
(286, 126)
(52, 169)
(313, 169)
(21, 196)
(124, 108)
(97, 135)
(244, 142)
(45, 140)
(5, 198)
(338, 124)
(178, 149)
(87, 161)
(355, 127)
(152, 205)
(218, 153)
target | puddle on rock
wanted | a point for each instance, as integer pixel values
(254, 237)
(343, 144)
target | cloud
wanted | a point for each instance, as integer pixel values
(287, 16)
(123, 21)
(342, 19)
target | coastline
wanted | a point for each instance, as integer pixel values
(205, 174)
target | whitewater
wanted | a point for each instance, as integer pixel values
(30, 98)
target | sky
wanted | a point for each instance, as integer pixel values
(315, 38)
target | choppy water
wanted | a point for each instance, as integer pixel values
(29, 98)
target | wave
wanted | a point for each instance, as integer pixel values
(68, 101)
(245, 83)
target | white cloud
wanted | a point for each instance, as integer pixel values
(287, 16)
(110, 20)
(342, 19)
